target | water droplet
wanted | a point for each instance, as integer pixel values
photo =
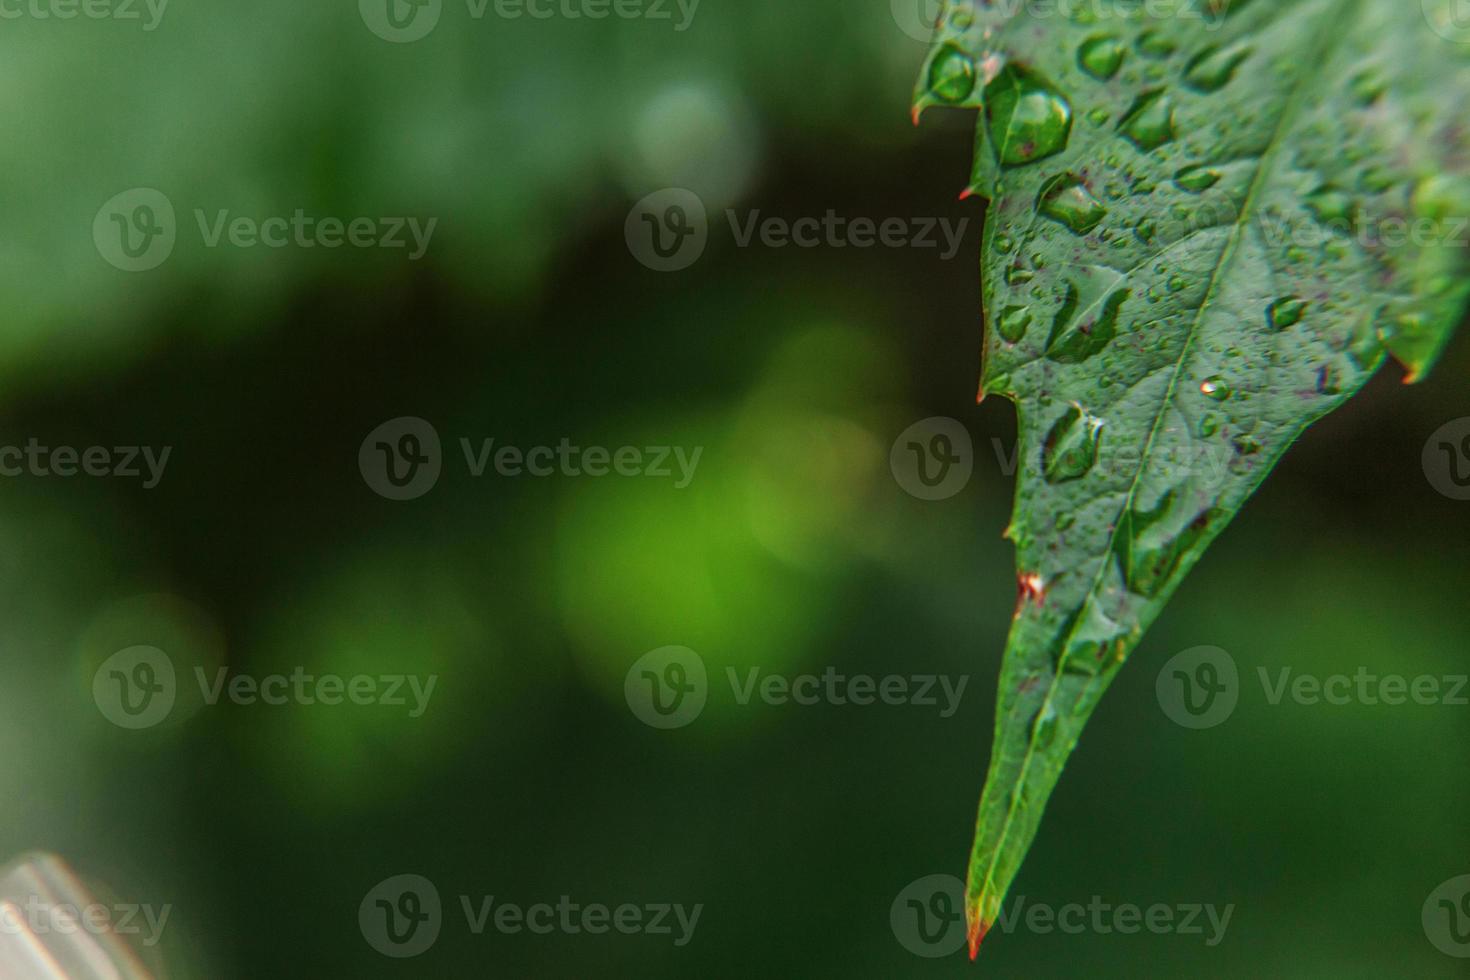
(1247, 445)
(1145, 230)
(1016, 275)
(1013, 323)
(1150, 122)
(1101, 57)
(1066, 199)
(1214, 67)
(1098, 117)
(1176, 284)
(1073, 343)
(1045, 731)
(1152, 44)
(1070, 450)
(1209, 425)
(1149, 569)
(1005, 243)
(1027, 117)
(1216, 388)
(1285, 312)
(1197, 179)
(951, 74)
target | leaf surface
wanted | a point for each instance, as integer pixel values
(1206, 231)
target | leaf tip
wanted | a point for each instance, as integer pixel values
(978, 928)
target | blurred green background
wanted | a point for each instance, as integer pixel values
(794, 548)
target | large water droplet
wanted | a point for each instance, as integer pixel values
(1285, 312)
(1197, 179)
(1027, 117)
(1070, 450)
(1214, 67)
(1045, 731)
(1013, 323)
(1066, 199)
(1150, 122)
(1152, 44)
(952, 74)
(1018, 275)
(1101, 57)
(1148, 568)
(1071, 343)
(1216, 388)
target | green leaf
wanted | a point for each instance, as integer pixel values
(1205, 231)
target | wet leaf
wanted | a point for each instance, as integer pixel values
(1211, 228)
